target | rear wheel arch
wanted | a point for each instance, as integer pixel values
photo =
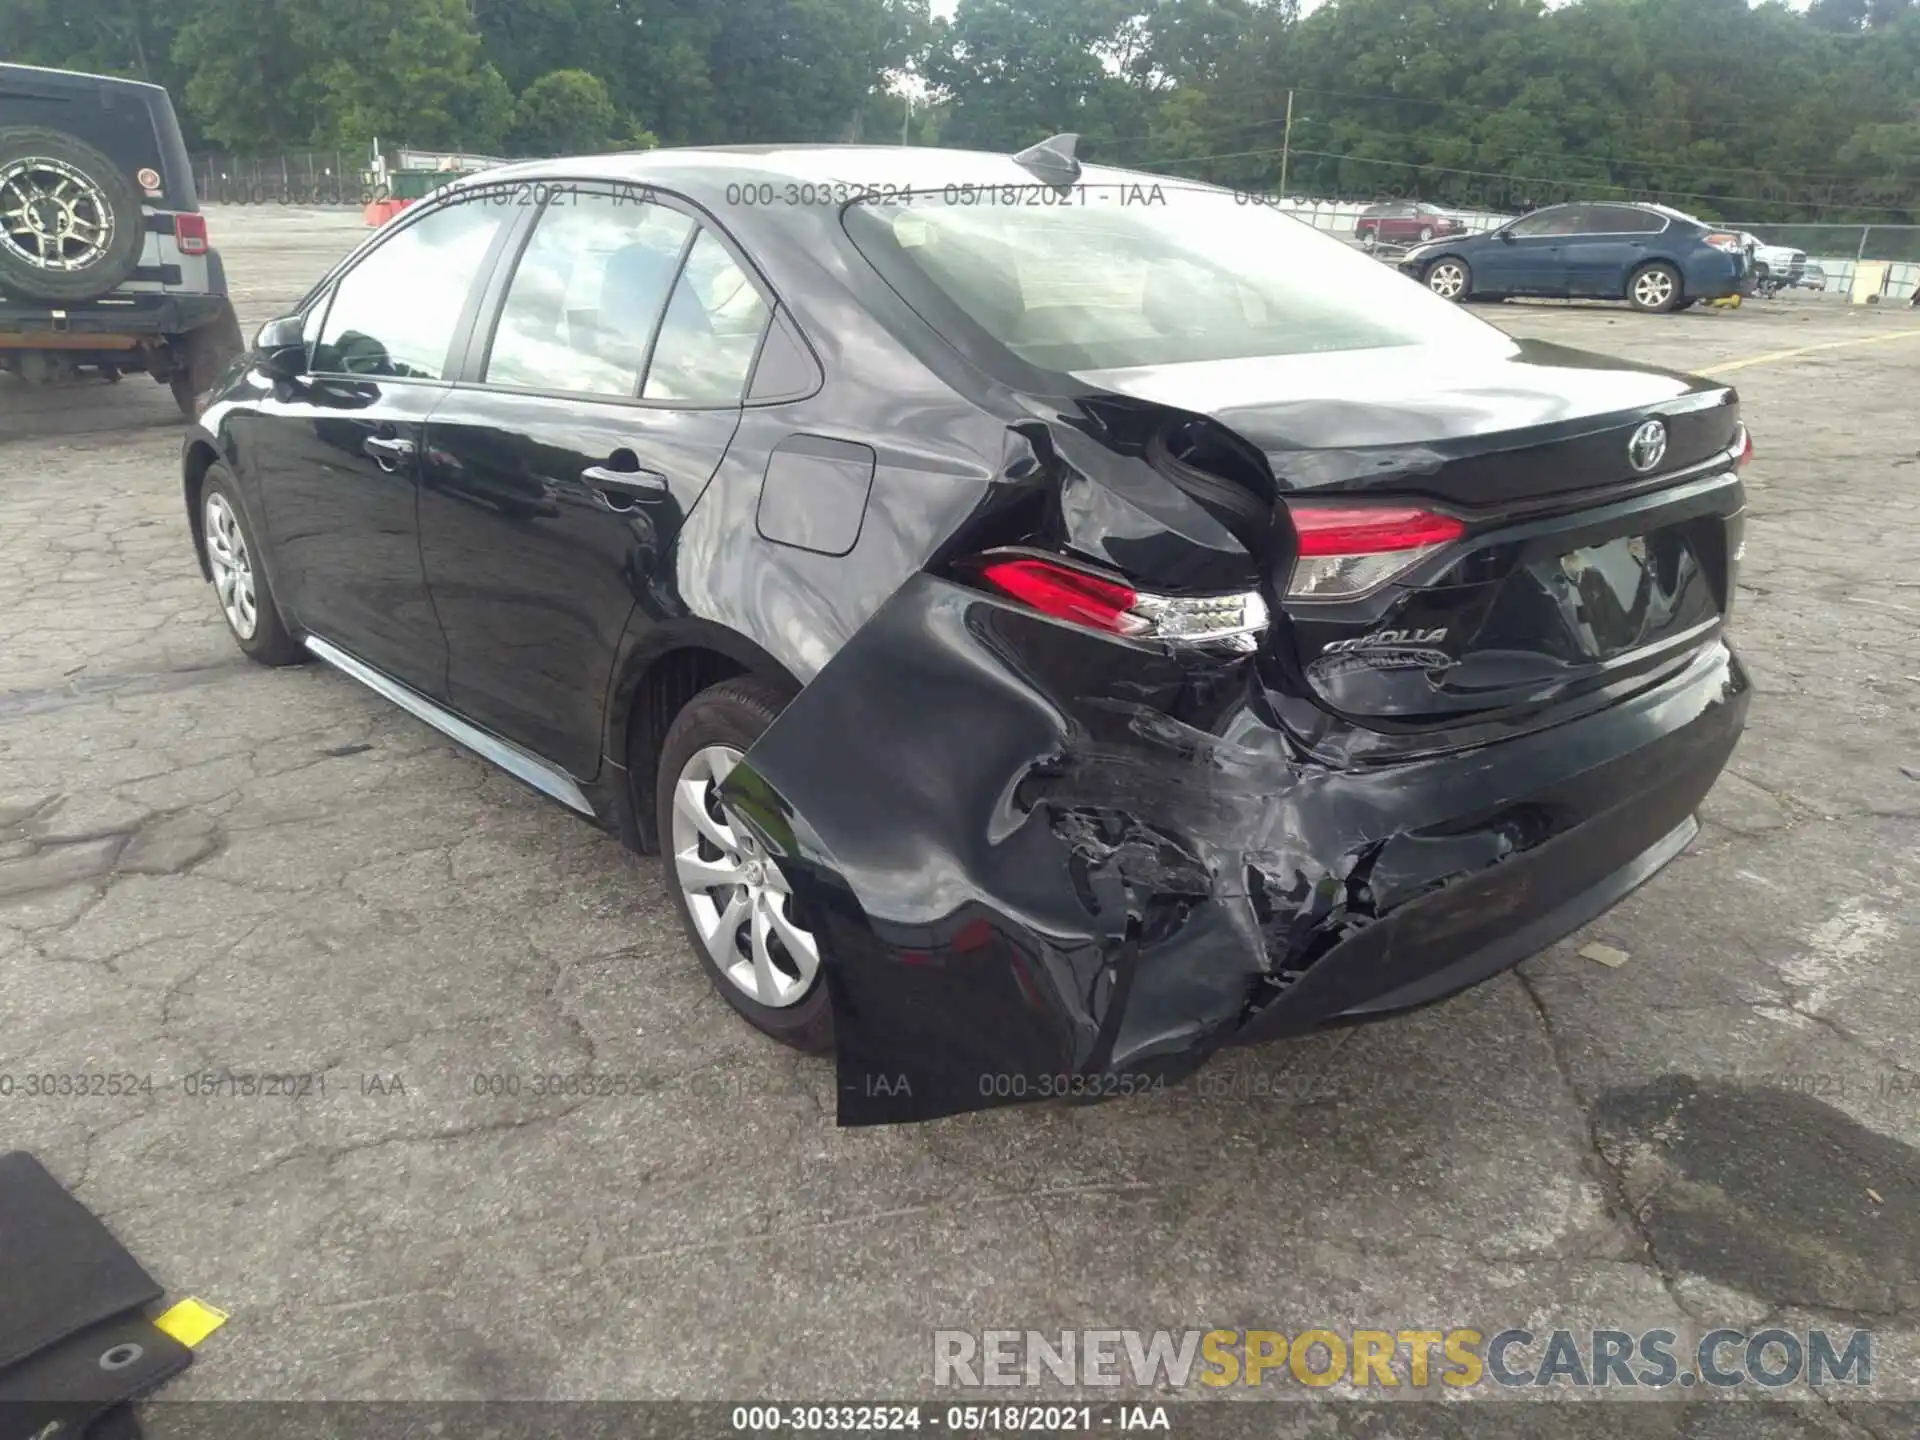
(657, 681)
(200, 458)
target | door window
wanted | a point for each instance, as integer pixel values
(394, 313)
(1546, 222)
(587, 294)
(711, 332)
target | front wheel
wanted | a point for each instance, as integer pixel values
(1426, 233)
(1654, 289)
(233, 561)
(1450, 278)
(733, 898)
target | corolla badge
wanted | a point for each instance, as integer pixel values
(1648, 447)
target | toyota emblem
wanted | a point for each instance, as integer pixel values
(1648, 447)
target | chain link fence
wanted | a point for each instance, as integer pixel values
(300, 177)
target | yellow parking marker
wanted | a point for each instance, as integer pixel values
(1774, 355)
(190, 1321)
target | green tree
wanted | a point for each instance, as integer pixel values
(566, 112)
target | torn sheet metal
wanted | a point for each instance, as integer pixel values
(1043, 864)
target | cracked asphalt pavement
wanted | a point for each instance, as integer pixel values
(209, 867)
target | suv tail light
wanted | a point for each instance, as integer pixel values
(1348, 550)
(190, 233)
(1721, 240)
(1743, 447)
(1101, 602)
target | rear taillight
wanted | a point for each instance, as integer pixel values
(1742, 447)
(1100, 602)
(1348, 550)
(190, 234)
(1720, 240)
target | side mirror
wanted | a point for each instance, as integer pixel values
(1506, 235)
(281, 348)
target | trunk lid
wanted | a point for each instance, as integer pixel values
(1577, 568)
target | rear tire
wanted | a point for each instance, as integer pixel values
(181, 384)
(70, 221)
(1654, 289)
(239, 579)
(747, 934)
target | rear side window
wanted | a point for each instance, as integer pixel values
(586, 295)
(394, 313)
(1106, 276)
(711, 332)
(1623, 220)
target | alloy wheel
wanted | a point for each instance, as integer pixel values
(232, 566)
(1447, 279)
(741, 906)
(1653, 289)
(53, 216)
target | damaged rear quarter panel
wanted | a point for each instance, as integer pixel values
(1046, 864)
(1031, 888)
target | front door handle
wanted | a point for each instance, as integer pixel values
(387, 451)
(630, 485)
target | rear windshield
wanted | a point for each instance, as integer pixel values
(1105, 276)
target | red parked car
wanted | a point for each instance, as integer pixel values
(1405, 222)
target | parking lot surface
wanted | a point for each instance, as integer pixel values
(209, 867)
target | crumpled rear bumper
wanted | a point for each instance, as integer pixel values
(1043, 863)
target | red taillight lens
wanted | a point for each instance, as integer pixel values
(1369, 529)
(1743, 448)
(1102, 603)
(1349, 550)
(1729, 243)
(190, 233)
(1066, 593)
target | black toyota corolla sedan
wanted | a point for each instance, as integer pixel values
(1053, 623)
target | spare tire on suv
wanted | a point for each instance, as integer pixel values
(70, 222)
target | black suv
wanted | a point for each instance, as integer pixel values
(104, 258)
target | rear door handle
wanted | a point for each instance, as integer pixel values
(385, 449)
(642, 485)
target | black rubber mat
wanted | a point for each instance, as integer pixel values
(60, 1271)
(72, 1388)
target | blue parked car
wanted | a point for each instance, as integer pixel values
(1654, 258)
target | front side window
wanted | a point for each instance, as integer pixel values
(394, 313)
(586, 295)
(1546, 222)
(711, 332)
(1105, 276)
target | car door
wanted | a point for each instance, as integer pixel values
(1397, 224)
(1611, 244)
(600, 392)
(1523, 259)
(336, 452)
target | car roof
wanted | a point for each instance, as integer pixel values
(44, 78)
(882, 167)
